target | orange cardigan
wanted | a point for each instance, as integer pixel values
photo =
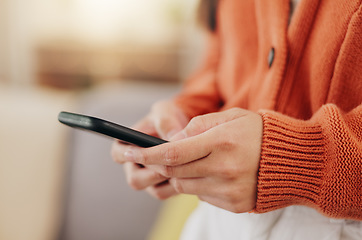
(309, 94)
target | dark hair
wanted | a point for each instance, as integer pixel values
(207, 14)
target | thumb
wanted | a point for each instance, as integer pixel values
(168, 119)
(166, 128)
(203, 123)
(146, 125)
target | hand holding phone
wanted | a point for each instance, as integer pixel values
(109, 129)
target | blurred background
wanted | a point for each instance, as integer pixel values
(108, 58)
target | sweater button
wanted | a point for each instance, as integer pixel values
(271, 57)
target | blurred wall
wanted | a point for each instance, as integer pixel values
(96, 26)
(69, 44)
(17, 40)
(3, 41)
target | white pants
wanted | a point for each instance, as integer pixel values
(292, 223)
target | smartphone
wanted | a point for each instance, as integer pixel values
(110, 129)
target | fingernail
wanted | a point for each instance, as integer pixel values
(130, 156)
(171, 133)
(179, 136)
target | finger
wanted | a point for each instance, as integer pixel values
(147, 126)
(201, 187)
(202, 123)
(196, 169)
(168, 119)
(172, 153)
(194, 186)
(223, 194)
(162, 191)
(119, 150)
(140, 178)
(166, 128)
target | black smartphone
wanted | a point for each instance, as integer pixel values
(109, 129)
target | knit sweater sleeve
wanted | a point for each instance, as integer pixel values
(317, 163)
(200, 93)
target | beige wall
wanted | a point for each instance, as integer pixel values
(3, 41)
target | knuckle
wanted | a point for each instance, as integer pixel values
(158, 193)
(196, 123)
(156, 175)
(227, 144)
(142, 158)
(172, 155)
(177, 185)
(167, 171)
(229, 171)
(114, 154)
(134, 183)
(161, 196)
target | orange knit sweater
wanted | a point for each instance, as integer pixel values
(309, 95)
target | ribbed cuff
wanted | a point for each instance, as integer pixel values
(291, 165)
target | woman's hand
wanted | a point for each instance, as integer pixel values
(164, 121)
(216, 157)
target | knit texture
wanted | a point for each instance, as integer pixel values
(316, 163)
(310, 98)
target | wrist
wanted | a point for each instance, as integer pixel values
(291, 164)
